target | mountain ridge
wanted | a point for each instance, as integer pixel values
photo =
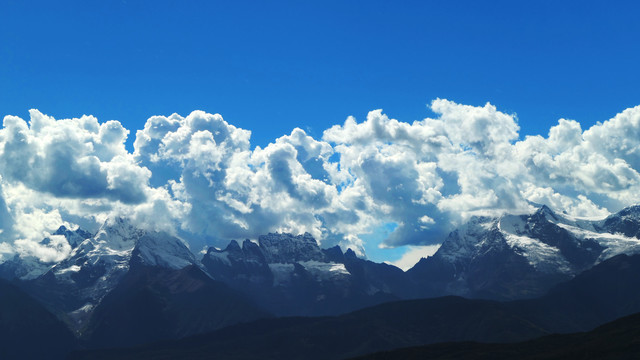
(412, 322)
(523, 256)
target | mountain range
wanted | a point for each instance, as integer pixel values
(606, 292)
(124, 286)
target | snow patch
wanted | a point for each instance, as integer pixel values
(614, 244)
(72, 268)
(325, 270)
(541, 256)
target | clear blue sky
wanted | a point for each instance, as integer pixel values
(271, 66)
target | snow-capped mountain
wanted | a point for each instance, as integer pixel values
(517, 256)
(292, 275)
(77, 284)
(506, 257)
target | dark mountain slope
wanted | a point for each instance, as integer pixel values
(381, 327)
(28, 330)
(606, 292)
(154, 303)
(619, 339)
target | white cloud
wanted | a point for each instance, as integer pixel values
(73, 158)
(55, 248)
(198, 175)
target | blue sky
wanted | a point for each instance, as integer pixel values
(272, 66)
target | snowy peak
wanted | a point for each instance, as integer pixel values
(234, 254)
(550, 242)
(162, 250)
(100, 256)
(467, 240)
(236, 264)
(273, 248)
(118, 234)
(544, 212)
(118, 242)
(233, 247)
(97, 265)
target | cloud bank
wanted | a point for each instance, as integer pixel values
(199, 176)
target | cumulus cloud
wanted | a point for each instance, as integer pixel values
(52, 249)
(74, 158)
(199, 176)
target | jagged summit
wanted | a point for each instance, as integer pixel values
(292, 275)
(117, 242)
(286, 248)
(546, 212)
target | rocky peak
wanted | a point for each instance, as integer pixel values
(251, 250)
(286, 248)
(233, 247)
(334, 254)
(544, 209)
(350, 254)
